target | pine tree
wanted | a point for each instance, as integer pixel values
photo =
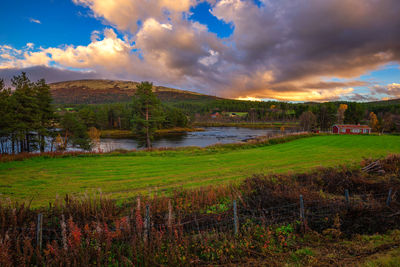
(354, 113)
(75, 131)
(6, 116)
(46, 115)
(146, 113)
(25, 108)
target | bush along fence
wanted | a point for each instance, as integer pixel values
(223, 233)
(230, 220)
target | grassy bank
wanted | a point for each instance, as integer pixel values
(125, 175)
(117, 134)
(256, 125)
(195, 227)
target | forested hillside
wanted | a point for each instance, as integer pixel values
(113, 97)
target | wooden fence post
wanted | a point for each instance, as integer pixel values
(147, 224)
(139, 222)
(197, 225)
(235, 217)
(302, 214)
(389, 197)
(301, 208)
(138, 204)
(39, 229)
(169, 222)
(63, 232)
(346, 193)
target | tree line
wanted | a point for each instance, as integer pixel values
(119, 116)
(27, 115)
(326, 113)
(30, 122)
(319, 115)
(324, 116)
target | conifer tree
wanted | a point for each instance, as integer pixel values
(25, 108)
(6, 117)
(146, 113)
(46, 115)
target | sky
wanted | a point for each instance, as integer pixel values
(287, 50)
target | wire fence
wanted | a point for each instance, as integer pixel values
(232, 220)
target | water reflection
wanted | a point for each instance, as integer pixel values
(211, 135)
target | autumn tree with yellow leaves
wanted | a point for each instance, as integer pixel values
(373, 122)
(340, 113)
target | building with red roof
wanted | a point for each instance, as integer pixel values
(351, 129)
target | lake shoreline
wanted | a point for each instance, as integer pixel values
(256, 125)
(215, 148)
(127, 134)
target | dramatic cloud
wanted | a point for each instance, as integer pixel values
(280, 49)
(125, 15)
(312, 40)
(390, 91)
(107, 54)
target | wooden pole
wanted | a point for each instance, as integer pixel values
(64, 232)
(39, 229)
(301, 208)
(139, 219)
(147, 224)
(346, 193)
(389, 197)
(138, 204)
(302, 216)
(169, 215)
(235, 218)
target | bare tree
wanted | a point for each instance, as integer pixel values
(308, 121)
(387, 123)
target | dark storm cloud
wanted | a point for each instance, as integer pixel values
(310, 39)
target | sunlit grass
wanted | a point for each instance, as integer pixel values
(124, 176)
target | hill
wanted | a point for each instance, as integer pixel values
(109, 91)
(386, 102)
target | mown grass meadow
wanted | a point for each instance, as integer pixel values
(196, 227)
(122, 176)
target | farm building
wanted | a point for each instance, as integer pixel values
(351, 129)
(215, 115)
(235, 114)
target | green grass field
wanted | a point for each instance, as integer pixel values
(126, 175)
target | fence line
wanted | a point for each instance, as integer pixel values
(229, 221)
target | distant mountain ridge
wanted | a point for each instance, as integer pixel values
(110, 91)
(96, 91)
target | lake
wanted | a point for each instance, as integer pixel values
(211, 136)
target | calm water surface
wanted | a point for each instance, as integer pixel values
(211, 136)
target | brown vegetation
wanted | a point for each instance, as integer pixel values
(196, 227)
(107, 91)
